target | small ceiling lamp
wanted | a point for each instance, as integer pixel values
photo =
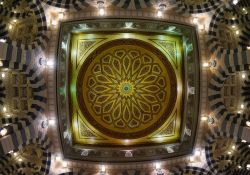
(50, 63)
(52, 122)
(248, 166)
(161, 9)
(248, 47)
(248, 123)
(58, 158)
(243, 76)
(204, 118)
(100, 5)
(10, 26)
(3, 132)
(235, 2)
(210, 64)
(103, 170)
(158, 168)
(3, 40)
(242, 106)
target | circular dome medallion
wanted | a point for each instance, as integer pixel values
(126, 88)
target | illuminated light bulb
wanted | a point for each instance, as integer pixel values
(15, 154)
(103, 169)
(235, 2)
(20, 160)
(248, 165)
(58, 158)
(248, 146)
(248, 47)
(10, 152)
(206, 64)
(3, 75)
(204, 118)
(229, 152)
(126, 141)
(1, 3)
(10, 26)
(50, 63)
(161, 9)
(195, 20)
(237, 32)
(159, 13)
(14, 20)
(239, 166)
(4, 109)
(233, 147)
(101, 7)
(14, 11)
(1, 63)
(243, 76)
(61, 15)
(243, 141)
(239, 112)
(52, 122)
(243, 9)
(3, 40)
(101, 11)
(157, 165)
(233, 26)
(3, 132)
(242, 106)
(233, 18)
(248, 123)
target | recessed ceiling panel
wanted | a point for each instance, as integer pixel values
(125, 88)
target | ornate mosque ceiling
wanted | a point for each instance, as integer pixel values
(127, 89)
(124, 87)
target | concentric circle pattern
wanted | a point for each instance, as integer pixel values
(127, 89)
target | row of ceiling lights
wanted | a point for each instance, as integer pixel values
(102, 12)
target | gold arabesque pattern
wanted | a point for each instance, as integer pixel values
(127, 89)
(103, 91)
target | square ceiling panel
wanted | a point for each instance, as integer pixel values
(123, 85)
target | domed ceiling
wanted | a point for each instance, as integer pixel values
(127, 88)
